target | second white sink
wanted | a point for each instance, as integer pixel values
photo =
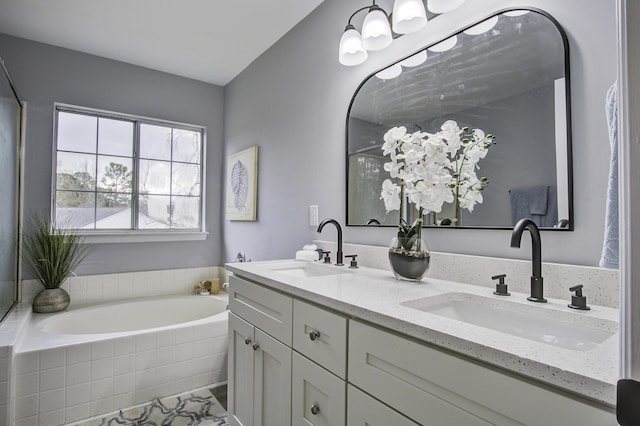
(569, 330)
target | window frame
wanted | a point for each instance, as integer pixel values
(133, 234)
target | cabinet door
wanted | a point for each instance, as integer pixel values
(241, 365)
(363, 410)
(319, 397)
(272, 388)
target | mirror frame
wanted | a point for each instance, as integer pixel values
(569, 143)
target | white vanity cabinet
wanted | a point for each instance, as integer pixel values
(259, 390)
(313, 366)
(435, 387)
(271, 384)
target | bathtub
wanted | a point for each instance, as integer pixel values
(93, 360)
(135, 315)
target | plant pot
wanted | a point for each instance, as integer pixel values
(51, 300)
(409, 261)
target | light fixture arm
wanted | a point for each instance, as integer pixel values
(349, 24)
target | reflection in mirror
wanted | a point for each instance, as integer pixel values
(507, 75)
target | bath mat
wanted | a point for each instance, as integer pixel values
(199, 408)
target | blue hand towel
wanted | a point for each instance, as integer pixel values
(538, 200)
(550, 218)
(520, 204)
(610, 246)
(538, 203)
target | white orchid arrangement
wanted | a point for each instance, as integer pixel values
(429, 170)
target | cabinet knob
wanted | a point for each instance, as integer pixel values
(247, 340)
(255, 346)
(315, 409)
(314, 334)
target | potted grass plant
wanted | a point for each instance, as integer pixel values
(52, 255)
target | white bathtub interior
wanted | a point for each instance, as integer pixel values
(82, 324)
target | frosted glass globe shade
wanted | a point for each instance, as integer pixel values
(408, 16)
(415, 60)
(444, 45)
(351, 52)
(443, 6)
(516, 13)
(482, 27)
(388, 73)
(376, 32)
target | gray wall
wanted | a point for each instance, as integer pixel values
(292, 102)
(46, 74)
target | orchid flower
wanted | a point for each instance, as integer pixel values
(434, 168)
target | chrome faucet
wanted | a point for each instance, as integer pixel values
(339, 228)
(536, 256)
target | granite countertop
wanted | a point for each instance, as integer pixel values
(374, 295)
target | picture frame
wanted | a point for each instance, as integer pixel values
(242, 185)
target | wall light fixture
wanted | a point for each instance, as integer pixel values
(378, 27)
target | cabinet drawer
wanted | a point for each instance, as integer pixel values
(321, 336)
(406, 376)
(268, 310)
(434, 387)
(362, 410)
(318, 397)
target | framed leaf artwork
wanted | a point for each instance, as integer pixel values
(242, 185)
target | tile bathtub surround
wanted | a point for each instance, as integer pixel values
(10, 331)
(127, 285)
(63, 385)
(40, 398)
(5, 371)
(601, 286)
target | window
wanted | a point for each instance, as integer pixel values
(118, 172)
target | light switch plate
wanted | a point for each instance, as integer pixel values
(313, 215)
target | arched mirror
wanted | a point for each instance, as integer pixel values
(507, 75)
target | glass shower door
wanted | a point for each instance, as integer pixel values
(10, 142)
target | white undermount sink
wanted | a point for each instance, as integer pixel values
(564, 329)
(304, 269)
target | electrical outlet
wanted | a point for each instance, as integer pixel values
(313, 215)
